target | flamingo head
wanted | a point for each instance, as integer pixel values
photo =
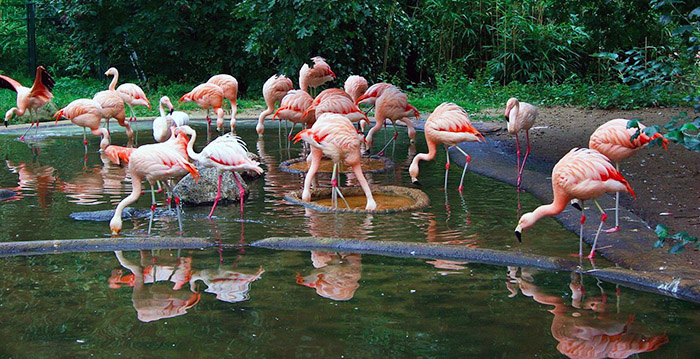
(361, 98)
(165, 100)
(115, 225)
(57, 116)
(512, 102)
(525, 222)
(111, 72)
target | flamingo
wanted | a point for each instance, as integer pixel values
(315, 76)
(334, 136)
(113, 107)
(355, 86)
(336, 101)
(131, 93)
(225, 153)
(392, 105)
(86, 113)
(153, 162)
(274, 89)
(118, 154)
(613, 139)
(29, 98)
(581, 174)
(520, 116)
(208, 96)
(229, 85)
(372, 93)
(162, 124)
(293, 107)
(449, 124)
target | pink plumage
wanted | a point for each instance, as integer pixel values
(229, 86)
(315, 76)
(86, 113)
(293, 107)
(392, 105)
(29, 98)
(208, 96)
(130, 93)
(372, 93)
(614, 140)
(355, 86)
(520, 116)
(274, 90)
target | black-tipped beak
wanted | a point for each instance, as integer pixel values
(171, 111)
(416, 183)
(5, 123)
(505, 118)
(519, 236)
(576, 205)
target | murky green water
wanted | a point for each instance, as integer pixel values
(259, 303)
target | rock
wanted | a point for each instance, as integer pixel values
(129, 212)
(6, 193)
(204, 191)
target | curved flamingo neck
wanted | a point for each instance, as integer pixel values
(552, 209)
(160, 108)
(190, 146)
(514, 111)
(113, 84)
(131, 198)
(432, 151)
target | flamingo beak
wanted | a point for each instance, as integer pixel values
(5, 122)
(415, 182)
(518, 234)
(115, 231)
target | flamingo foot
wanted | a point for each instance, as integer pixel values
(21, 138)
(461, 187)
(612, 230)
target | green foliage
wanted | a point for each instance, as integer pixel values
(682, 239)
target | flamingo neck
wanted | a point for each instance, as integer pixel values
(113, 84)
(116, 221)
(432, 151)
(190, 147)
(552, 209)
(160, 108)
(514, 111)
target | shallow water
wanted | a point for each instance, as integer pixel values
(260, 303)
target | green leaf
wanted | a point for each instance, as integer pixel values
(661, 231)
(659, 244)
(633, 123)
(677, 248)
(689, 127)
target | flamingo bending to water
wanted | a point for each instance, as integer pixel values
(392, 105)
(294, 107)
(225, 153)
(614, 140)
(315, 76)
(131, 93)
(274, 90)
(581, 174)
(334, 136)
(520, 116)
(113, 107)
(86, 113)
(449, 124)
(208, 96)
(229, 85)
(29, 98)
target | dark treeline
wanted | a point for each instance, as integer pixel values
(408, 41)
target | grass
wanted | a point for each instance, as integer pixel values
(473, 95)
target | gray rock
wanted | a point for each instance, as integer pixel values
(129, 212)
(6, 193)
(204, 191)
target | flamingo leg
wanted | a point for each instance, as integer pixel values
(218, 196)
(381, 153)
(241, 192)
(21, 138)
(178, 205)
(580, 238)
(289, 136)
(153, 208)
(603, 217)
(336, 189)
(467, 159)
(617, 208)
(517, 154)
(447, 164)
(84, 136)
(527, 153)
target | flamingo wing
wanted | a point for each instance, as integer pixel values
(9, 83)
(586, 174)
(43, 85)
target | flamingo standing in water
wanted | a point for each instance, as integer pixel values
(293, 107)
(613, 139)
(520, 116)
(313, 77)
(162, 123)
(334, 136)
(29, 98)
(225, 153)
(208, 96)
(581, 174)
(274, 90)
(113, 107)
(336, 101)
(449, 124)
(154, 162)
(86, 113)
(392, 105)
(229, 85)
(131, 93)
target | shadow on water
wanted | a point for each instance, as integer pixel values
(253, 302)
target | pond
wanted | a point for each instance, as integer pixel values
(251, 302)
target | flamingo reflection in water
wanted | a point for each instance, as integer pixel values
(585, 329)
(32, 176)
(227, 283)
(152, 298)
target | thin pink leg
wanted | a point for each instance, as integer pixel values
(218, 196)
(241, 192)
(527, 153)
(517, 153)
(447, 165)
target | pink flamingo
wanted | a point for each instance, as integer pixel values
(154, 162)
(113, 107)
(225, 153)
(581, 174)
(315, 76)
(131, 93)
(229, 85)
(274, 90)
(449, 124)
(162, 123)
(293, 107)
(29, 98)
(355, 86)
(613, 139)
(333, 135)
(336, 101)
(520, 116)
(392, 105)
(372, 93)
(208, 96)
(86, 113)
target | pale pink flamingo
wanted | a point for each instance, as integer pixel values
(274, 90)
(131, 93)
(208, 96)
(333, 135)
(336, 101)
(613, 139)
(86, 113)
(113, 107)
(520, 116)
(449, 124)
(392, 105)
(293, 107)
(153, 162)
(229, 85)
(225, 153)
(315, 76)
(355, 86)
(29, 98)
(372, 93)
(162, 123)
(581, 174)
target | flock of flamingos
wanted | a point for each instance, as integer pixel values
(582, 174)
